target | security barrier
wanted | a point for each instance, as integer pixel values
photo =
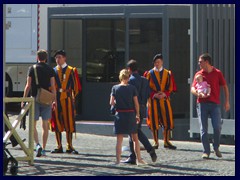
(12, 127)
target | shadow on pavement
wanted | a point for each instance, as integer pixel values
(200, 150)
(61, 167)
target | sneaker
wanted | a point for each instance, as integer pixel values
(43, 152)
(205, 156)
(153, 155)
(218, 153)
(38, 150)
(125, 148)
(129, 161)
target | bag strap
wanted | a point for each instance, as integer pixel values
(35, 73)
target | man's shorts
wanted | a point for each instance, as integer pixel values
(42, 110)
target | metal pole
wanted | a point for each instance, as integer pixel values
(127, 46)
(4, 56)
(192, 55)
(165, 42)
(31, 132)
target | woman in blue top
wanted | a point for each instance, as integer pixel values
(124, 98)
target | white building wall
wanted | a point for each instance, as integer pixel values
(43, 24)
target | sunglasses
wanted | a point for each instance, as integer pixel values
(200, 62)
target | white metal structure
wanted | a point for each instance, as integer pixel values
(21, 43)
(26, 32)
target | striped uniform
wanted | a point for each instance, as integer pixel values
(160, 111)
(67, 87)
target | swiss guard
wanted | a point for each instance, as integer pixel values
(159, 107)
(67, 88)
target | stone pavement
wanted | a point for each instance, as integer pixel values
(97, 156)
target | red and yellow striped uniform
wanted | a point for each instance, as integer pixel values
(159, 111)
(67, 87)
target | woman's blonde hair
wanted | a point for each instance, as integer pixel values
(124, 75)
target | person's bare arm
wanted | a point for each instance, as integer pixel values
(209, 91)
(194, 91)
(226, 93)
(53, 89)
(112, 101)
(135, 100)
(200, 95)
(27, 88)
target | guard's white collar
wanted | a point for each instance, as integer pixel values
(64, 65)
(159, 70)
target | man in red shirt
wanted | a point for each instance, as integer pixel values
(209, 105)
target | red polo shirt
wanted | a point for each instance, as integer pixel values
(216, 80)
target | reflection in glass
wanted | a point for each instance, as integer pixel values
(105, 49)
(145, 37)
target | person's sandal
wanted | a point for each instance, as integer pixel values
(142, 163)
(205, 156)
(155, 146)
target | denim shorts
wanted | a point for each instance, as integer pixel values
(45, 111)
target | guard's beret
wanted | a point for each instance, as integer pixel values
(60, 52)
(157, 56)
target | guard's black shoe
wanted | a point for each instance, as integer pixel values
(59, 150)
(153, 155)
(169, 146)
(129, 161)
(71, 151)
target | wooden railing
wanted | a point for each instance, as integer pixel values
(12, 127)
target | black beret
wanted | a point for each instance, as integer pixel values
(157, 56)
(60, 52)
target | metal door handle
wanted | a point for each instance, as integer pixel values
(9, 10)
(8, 25)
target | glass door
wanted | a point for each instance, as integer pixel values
(145, 40)
(67, 34)
(105, 52)
(179, 57)
(105, 49)
(96, 46)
